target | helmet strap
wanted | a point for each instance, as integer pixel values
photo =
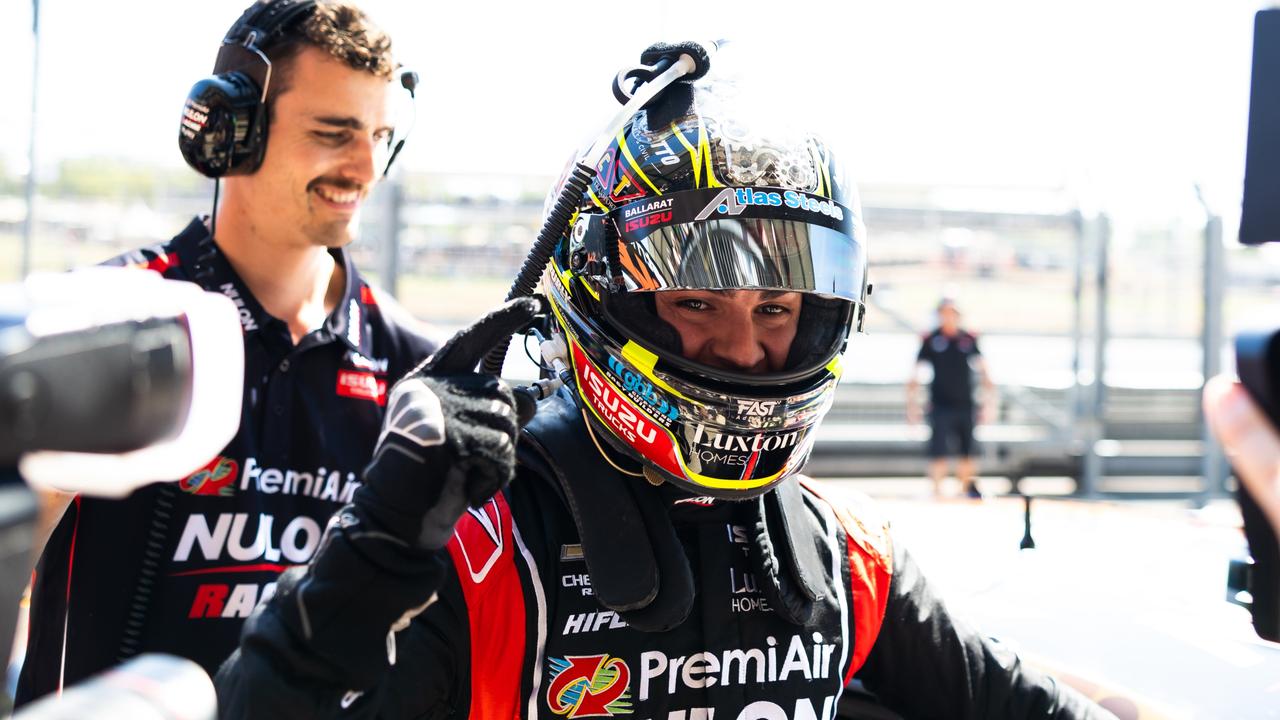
(646, 578)
(605, 453)
(786, 560)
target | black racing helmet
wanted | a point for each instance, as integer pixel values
(699, 192)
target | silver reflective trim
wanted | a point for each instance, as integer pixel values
(734, 253)
(540, 648)
(832, 521)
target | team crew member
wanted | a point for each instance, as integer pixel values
(177, 567)
(954, 356)
(657, 555)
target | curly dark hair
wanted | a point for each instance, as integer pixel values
(341, 29)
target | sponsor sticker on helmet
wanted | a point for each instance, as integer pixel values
(733, 201)
(644, 393)
(699, 501)
(756, 408)
(647, 207)
(639, 218)
(622, 416)
(708, 436)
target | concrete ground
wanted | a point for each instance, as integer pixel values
(1130, 594)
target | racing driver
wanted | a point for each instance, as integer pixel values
(657, 554)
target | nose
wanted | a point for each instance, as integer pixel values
(361, 162)
(737, 343)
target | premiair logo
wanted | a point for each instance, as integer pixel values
(588, 686)
(776, 662)
(732, 201)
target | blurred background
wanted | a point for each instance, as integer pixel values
(1070, 173)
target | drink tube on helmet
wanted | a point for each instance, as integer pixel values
(664, 64)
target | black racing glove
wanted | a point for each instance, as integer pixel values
(448, 437)
(448, 441)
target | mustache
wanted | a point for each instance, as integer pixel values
(335, 182)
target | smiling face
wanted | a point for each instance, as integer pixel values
(326, 147)
(747, 331)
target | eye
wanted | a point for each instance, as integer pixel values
(332, 138)
(693, 304)
(773, 309)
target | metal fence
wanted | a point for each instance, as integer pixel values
(1061, 298)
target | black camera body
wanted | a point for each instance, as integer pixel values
(1258, 353)
(1260, 214)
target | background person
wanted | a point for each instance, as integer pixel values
(953, 354)
(176, 567)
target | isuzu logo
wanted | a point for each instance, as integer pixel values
(615, 410)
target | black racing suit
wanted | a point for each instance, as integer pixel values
(518, 630)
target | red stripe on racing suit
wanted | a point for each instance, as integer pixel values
(483, 553)
(870, 552)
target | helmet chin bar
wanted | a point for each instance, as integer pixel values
(730, 445)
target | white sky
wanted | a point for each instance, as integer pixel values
(1130, 98)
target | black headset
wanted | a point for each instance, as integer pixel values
(224, 119)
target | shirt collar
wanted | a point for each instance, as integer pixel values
(209, 268)
(349, 320)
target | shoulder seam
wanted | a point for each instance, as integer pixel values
(872, 537)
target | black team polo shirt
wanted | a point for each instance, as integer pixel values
(177, 567)
(952, 385)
